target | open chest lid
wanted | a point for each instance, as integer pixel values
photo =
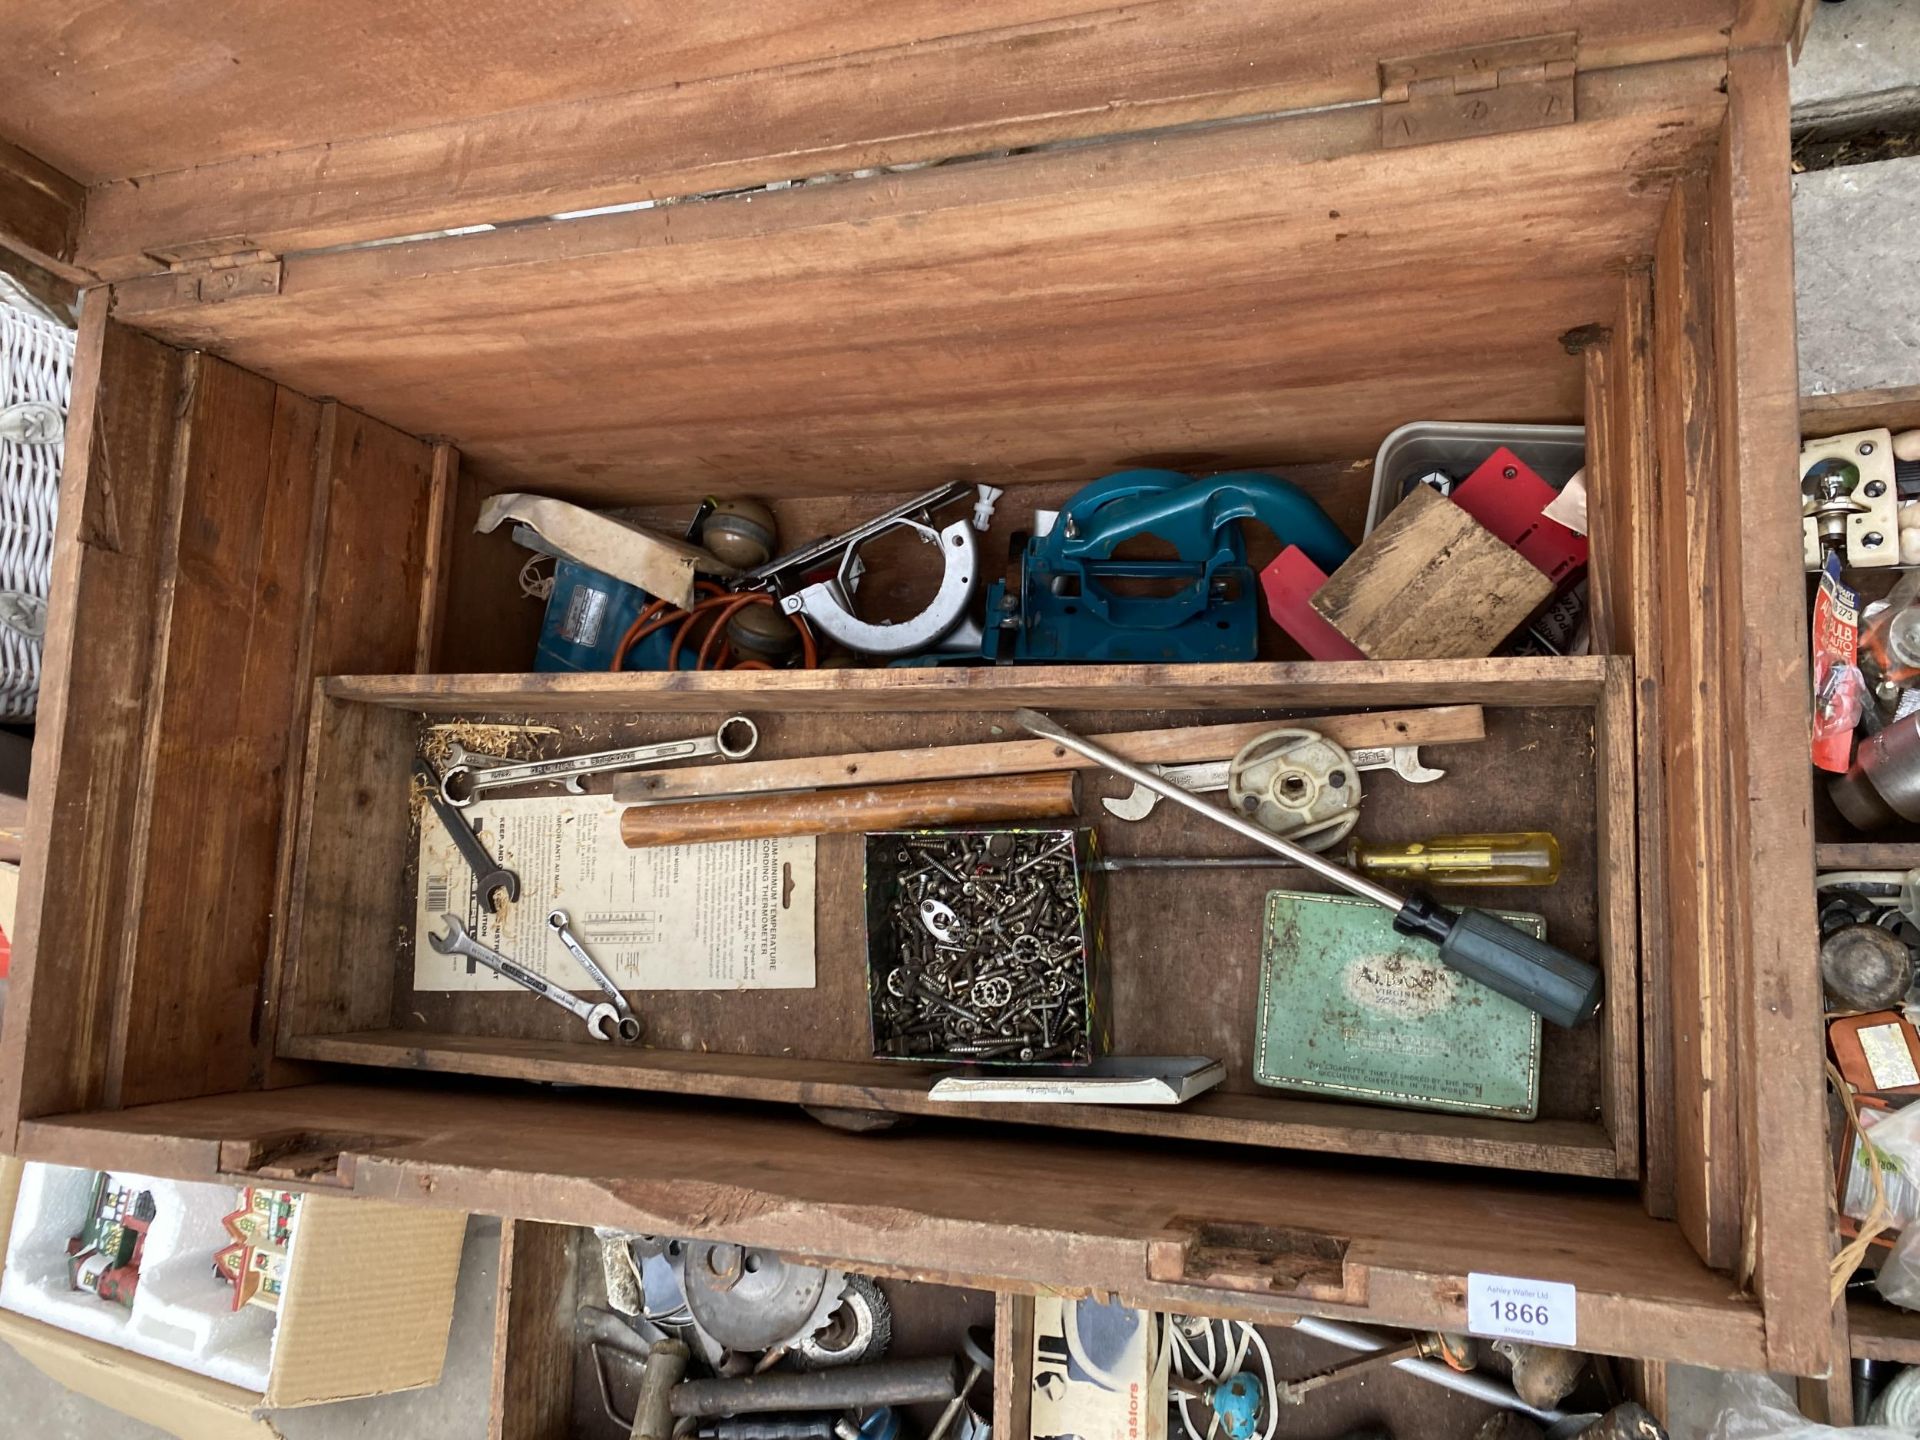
(166, 134)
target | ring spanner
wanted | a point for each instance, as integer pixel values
(602, 1020)
(465, 782)
(1540, 976)
(629, 1023)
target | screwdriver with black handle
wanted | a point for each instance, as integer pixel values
(1483, 947)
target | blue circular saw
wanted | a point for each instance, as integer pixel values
(1079, 601)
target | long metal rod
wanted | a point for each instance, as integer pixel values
(1480, 1387)
(1194, 862)
(819, 550)
(1038, 724)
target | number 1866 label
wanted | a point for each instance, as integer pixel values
(1536, 1310)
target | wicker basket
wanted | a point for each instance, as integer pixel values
(36, 374)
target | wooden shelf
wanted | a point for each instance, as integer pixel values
(1547, 1147)
(1879, 1331)
(1868, 855)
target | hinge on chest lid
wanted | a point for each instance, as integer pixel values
(217, 270)
(1478, 90)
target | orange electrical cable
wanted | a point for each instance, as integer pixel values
(716, 608)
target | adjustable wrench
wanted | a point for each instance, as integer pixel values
(629, 1023)
(602, 1020)
(1402, 760)
(487, 872)
(465, 782)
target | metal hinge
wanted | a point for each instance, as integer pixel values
(201, 279)
(1478, 90)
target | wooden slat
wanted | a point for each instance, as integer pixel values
(962, 1202)
(1693, 676)
(437, 557)
(1264, 1121)
(1447, 724)
(1009, 298)
(1868, 855)
(1783, 1119)
(340, 918)
(1551, 681)
(1054, 73)
(40, 211)
(1895, 408)
(223, 700)
(1615, 793)
(378, 537)
(364, 600)
(67, 954)
(1634, 527)
(1012, 1364)
(1879, 1331)
(533, 1333)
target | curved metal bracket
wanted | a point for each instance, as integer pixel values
(828, 605)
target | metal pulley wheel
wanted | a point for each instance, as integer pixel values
(1299, 784)
(751, 1299)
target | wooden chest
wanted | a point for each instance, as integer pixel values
(825, 253)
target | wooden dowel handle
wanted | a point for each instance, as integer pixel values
(853, 810)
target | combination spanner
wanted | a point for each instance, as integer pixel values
(464, 781)
(628, 1023)
(602, 1020)
(489, 874)
(1210, 775)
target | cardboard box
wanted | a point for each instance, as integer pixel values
(367, 1309)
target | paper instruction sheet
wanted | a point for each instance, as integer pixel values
(737, 915)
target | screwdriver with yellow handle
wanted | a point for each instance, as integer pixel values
(1520, 857)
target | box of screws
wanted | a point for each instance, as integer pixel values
(985, 947)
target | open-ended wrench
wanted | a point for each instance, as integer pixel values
(602, 1020)
(489, 874)
(628, 1022)
(465, 781)
(1402, 760)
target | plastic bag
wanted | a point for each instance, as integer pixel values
(1756, 1408)
(1897, 1140)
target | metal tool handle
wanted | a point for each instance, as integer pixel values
(1560, 987)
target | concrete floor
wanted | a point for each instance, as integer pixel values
(1857, 240)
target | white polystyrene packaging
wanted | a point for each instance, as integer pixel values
(182, 1313)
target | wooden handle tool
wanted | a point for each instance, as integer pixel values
(854, 809)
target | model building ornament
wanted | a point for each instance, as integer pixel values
(105, 1256)
(255, 1264)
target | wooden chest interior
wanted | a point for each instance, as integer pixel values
(1030, 255)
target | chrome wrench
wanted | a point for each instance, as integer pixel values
(489, 874)
(602, 1020)
(629, 1023)
(1211, 775)
(464, 781)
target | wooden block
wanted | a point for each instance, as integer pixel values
(1431, 583)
